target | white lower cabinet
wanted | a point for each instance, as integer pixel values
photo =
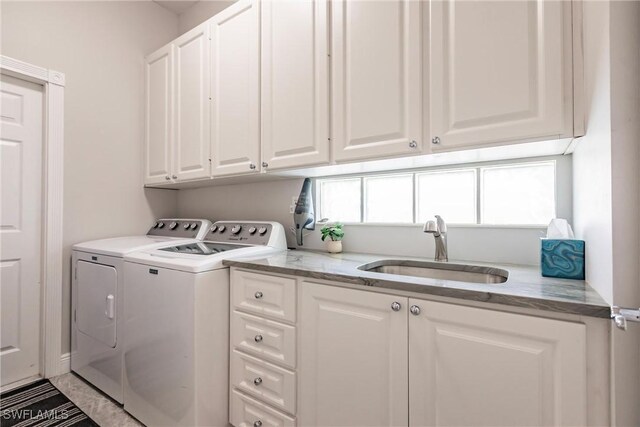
(353, 358)
(360, 358)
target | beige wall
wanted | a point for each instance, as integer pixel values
(200, 12)
(607, 182)
(100, 46)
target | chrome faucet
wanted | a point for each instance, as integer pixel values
(439, 230)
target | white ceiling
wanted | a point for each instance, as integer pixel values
(176, 6)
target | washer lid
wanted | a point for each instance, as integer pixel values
(120, 246)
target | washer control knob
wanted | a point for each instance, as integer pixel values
(185, 226)
(194, 225)
(262, 230)
(222, 228)
(236, 229)
(252, 230)
(160, 224)
(214, 228)
(173, 225)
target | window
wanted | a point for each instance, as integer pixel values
(502, 194)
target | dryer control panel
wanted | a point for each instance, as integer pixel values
(180, 227)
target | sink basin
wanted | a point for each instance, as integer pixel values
(438, 270)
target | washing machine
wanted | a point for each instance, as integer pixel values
(176, 356)
(97, 298)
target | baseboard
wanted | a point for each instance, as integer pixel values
(65, 364)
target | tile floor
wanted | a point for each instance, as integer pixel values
(101, 409)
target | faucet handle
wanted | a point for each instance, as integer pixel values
(442, 226)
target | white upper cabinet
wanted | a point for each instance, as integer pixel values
(376, 78)
(158, 116)
(353, 358)
(500, 72)
(192, 82)
(235, 92)
(471, 366)
(295, 83)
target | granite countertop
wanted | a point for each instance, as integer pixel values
(525, 286)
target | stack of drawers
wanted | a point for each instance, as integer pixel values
(263, 350)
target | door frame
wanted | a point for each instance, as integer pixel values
(53, 82)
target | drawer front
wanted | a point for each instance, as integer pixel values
(265, 295)
(269, 340)
(247, 412)
(270, 383)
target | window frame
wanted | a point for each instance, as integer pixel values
(476, 167)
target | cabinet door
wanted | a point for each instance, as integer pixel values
(471, 366)
(235, 92)
(158, 116)
(295, 89)
(497, 72)
(377, 82)
(192, 82)
(353, 358)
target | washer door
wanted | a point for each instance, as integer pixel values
(96, 307)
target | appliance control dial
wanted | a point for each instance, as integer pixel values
(222, 228)
(194, 225)
(160, 224)
(173, 225)
(214, 228)
(185, 226)
(262, 230)
(236, 229)
(252, 230)
(156, 225)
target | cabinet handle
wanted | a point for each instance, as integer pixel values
(265, 164)
(167, 177)
(435, 140)
(257, 424)
(257, 381)
(174, 177)
(413, 144)
(252, 166)
(258, 338)
(415, 310)
(258, 295)
(396, 306)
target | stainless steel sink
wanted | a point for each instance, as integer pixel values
(438, 270)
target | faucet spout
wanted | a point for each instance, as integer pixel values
(439, 230)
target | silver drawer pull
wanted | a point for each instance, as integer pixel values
(257, 424)
(258, 295)
(396, 306)
(415, 310)
(258, 338)
(257, 381)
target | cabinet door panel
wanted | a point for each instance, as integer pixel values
(295, 89)
(471, 366)
(353, 358)
(497, 71)
(158, 122)
(235, 129)
(192, 82)
(377, 86)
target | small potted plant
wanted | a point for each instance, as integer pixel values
(334, 233)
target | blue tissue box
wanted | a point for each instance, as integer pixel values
(562, 258)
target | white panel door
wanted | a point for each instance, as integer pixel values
(158, 116)
(497, 70)
(235, 91)
(377, 78)
(353, 358)
(470, 366)
(192, 90)
(295, 83)
(20, 227)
